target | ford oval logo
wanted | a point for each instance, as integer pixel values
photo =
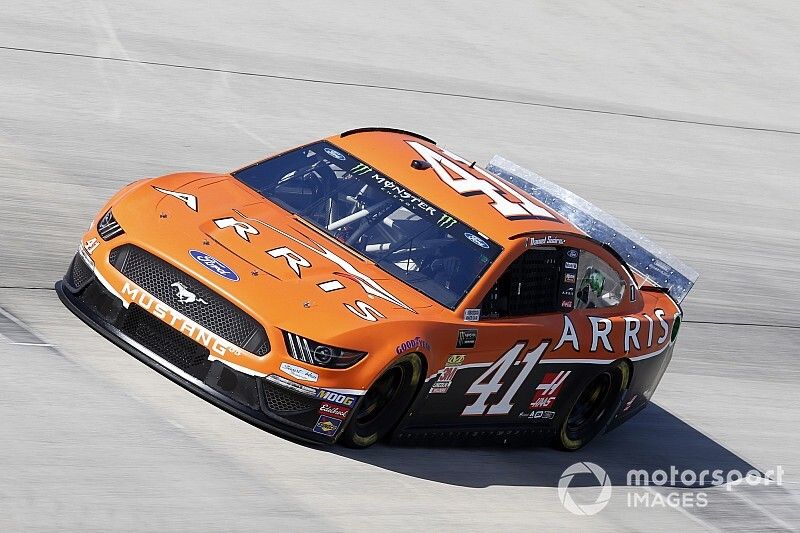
(476, 240)
(214, 265)
(335, 153)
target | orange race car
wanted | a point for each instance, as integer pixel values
(374, 285)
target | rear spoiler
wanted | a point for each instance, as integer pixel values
(647, 258)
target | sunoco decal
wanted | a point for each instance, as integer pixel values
(327, 425)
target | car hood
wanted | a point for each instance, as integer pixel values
(291, 274)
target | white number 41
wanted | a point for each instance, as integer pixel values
(493, 378)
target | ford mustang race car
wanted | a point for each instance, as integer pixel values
(373, 285)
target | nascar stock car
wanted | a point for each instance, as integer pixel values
(374, 285)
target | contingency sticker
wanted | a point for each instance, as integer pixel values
(327, 426)
(466, 338)
(472, 315)
(447, 374)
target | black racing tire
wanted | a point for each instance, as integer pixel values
(384, 404)
(592, 408)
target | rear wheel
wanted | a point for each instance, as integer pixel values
(384, 403)
(593, 407)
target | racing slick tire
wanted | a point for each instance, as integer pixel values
(384, 403)
(593, 407)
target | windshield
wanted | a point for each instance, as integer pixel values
(405, 235)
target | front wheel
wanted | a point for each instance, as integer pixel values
(384, 403)
(593, 407)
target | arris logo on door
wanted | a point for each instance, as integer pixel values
(214, 265)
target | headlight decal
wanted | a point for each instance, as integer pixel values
(108, 227)
(318, 354)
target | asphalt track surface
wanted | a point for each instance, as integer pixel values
(681, 119)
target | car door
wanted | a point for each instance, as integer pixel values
(488, 378)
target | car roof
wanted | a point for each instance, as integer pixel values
(391, 152)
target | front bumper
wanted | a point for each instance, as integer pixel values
(270, 404)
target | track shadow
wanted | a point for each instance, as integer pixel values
(653, 440)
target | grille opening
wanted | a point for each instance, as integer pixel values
(79, 274)
(279, 400)
(204, 306)
(165, 341)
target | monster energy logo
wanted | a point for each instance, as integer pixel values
(446, 221)
(361, 168)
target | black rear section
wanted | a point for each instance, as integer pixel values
(185, 361)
